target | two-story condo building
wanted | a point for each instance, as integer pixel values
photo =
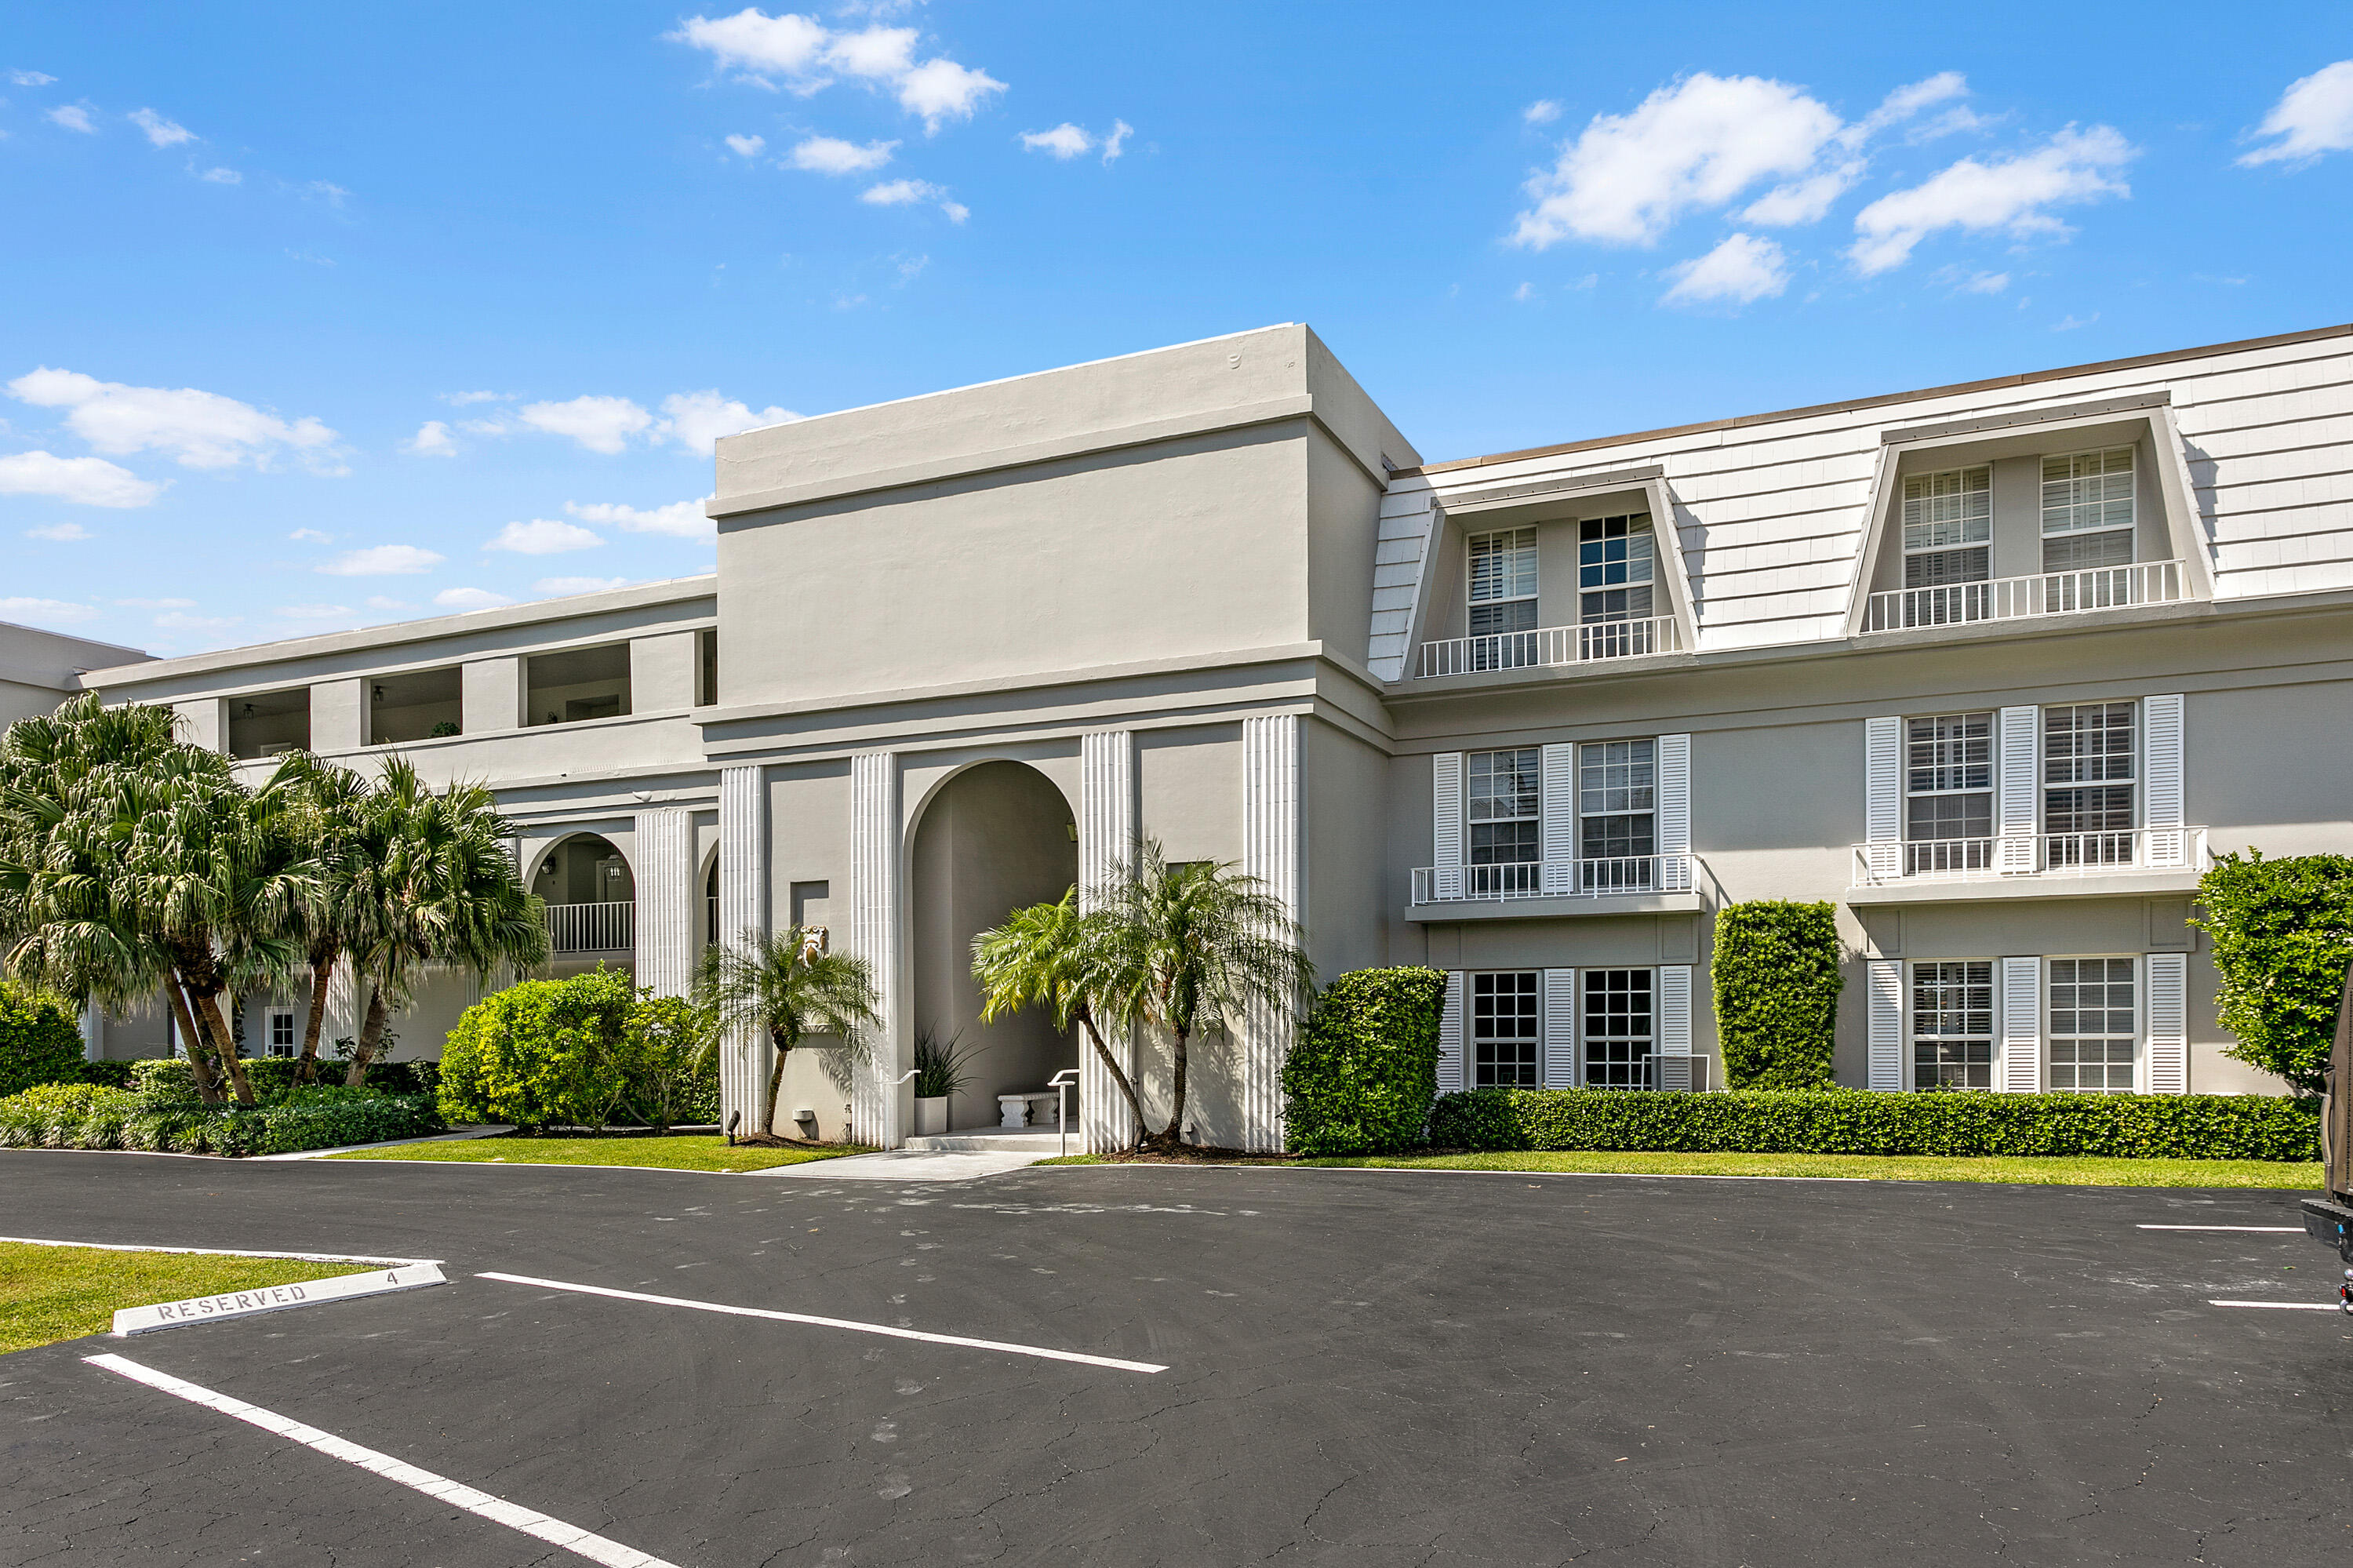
(1992, 667)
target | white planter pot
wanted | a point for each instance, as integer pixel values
(931, 1114)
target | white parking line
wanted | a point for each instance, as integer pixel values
(222, 1251)
(2284, 1306)
(2256, 1229)
(555, 1531)
(884, 1329)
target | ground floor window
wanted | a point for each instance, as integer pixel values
(2094, 1025)
(1952, 1025)
(281, 1039)
(1620, 1028)
(1507, 1030)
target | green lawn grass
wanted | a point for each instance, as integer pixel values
(52, 1293)
(2071, 1171)
(678, 1151)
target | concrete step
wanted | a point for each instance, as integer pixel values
(1040, 1142)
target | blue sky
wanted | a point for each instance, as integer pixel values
(316, 316)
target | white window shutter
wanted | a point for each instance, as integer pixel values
(2161, 793)
(2021, 1025)
(1675, 1042)
(2018, 787)
(1449, 1037)
(1446, 825)
(1673, 818)
(1560, 1029)
(1884, 979)
(1560, 808)
(2168, 1024)
(1883, 795)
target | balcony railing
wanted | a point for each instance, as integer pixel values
(2030, 854)
(609, 927)
(2012, 598)
(1549, 645)
(1553, 879)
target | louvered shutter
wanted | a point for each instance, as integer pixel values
(1446, 825)
(2161, 790)
(1449, 1037)
(1560, 808)
(1884, 980)
(1560, 1029)
(1673, 1045)
(1883, 801)
(2017, 787)
(2168, 1024)
(2021, 1025)
(1673, 819)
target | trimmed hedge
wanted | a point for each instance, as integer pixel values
(1777, 982)
(1362, 1076)
(40, 1039)
(541, 1052)
(1858, 1121)
(272, 1077)
(87, 1116)
(108, 1074)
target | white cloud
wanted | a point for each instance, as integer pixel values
(161, 132)
(222, 176)
(2010, 195)
(757, 44)
(311, 535)
(459, 399)
(695, 420)
(312, 611)
(941, 90)
(1743, 269)
(1803, 201)
(1906, 101)
(1543, 111)
(2315, 115)
(73, 117)
(543, 537)
(884, 54)
(1065, 141)
(680, 519)
(383, 561)
(559, 585)
(1523, 294)
(469, 599)
(957, 211)
(2069, 323)
(431, 439)
(85, 480)
(1116, 143)
(804, 54)
(61, 532)
(31, 77)
(202, 430)
(600, 424)
(901, 193)
(321, 190)
(1982, 282)
(747, 146)
(912, 267)
(833, 155)
(49, 609)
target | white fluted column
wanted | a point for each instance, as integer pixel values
(746, 1055)
(1271, 831)
(874, 919)
(1107, 835)
(93, 1031)
(666, 901)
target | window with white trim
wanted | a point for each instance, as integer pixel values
(1507, 1030)
(1947, 792)
(1504, 582)
(1503, 798)
(283, 1037)
(1616, 557)
(2095, 1026)
(1952, 1024)
(1617, 812)
(1948, 527)
(1619, 1027)
(2088, 751)
(2088, 510)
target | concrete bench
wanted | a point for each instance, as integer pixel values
(1035, 1107)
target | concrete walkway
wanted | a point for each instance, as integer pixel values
(939, 1156)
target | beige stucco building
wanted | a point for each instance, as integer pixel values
(1994, 668)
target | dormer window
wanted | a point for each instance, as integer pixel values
(1614, 562)
(1504, 582)
(1948, 527)
(2088, 510)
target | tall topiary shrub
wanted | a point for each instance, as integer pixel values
(1776, 974)
(40, 1039)
(1362, 1076)
(2283, 933)
(540, 1051)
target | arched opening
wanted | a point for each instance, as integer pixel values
(996, 837)
(591, 898)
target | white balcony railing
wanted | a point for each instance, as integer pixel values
(1554, 879)
(1549, 645)
(2029, 856)
(2011, 599)
(609, 927)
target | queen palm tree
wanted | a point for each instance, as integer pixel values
(1042, 956)
(787, 986)
(326, 808)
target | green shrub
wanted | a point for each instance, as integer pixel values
(1858, 1121)
(272, 1077)
(1777, 982)
(672, 1075)
(107, 1075)
(540, 1051)
(2283, 933)
(1365, 1070)
(40, 1039)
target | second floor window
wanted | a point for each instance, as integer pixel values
(1614, 567)
(1948, 528)
(2087, 783)
(1504, 582)
(1503, 793)
(2088, 510)
(1947, 791)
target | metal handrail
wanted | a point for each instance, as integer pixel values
(1553, 878)
(2011, 599)
(604, 927)
(2029, 854)
(1548, 646)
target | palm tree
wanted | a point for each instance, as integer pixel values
(326, 806)
(1042, 955)
(787, 986)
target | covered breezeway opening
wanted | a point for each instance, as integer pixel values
(996, 837)
(591, 896)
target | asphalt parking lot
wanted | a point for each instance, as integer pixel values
(1361, 1367)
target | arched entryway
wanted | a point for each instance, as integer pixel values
(591, 898)
(996, 837)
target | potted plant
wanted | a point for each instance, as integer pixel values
(941, 1072)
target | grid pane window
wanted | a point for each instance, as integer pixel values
(1947, 792)
(1948, 528)
(1952, 1025)
(1618, 1028)
(1507, 1034)
(1615, 559)
(1617, 812)
(1504, 791)
(2087, 783)
(1504, 582)
(2085, 491)
(2093, 1024)
(281, 1035)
